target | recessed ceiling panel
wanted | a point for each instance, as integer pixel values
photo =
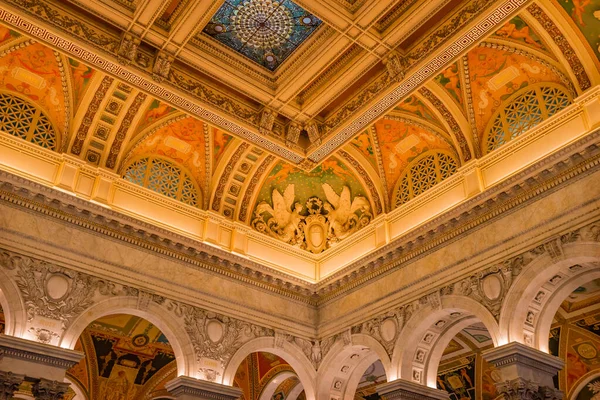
(265, 31)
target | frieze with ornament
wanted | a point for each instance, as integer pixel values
(215, 337)
(316, 225)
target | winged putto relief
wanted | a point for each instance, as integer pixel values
(318, 224)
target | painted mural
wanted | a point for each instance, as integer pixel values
(256, 371)
(364, 145)
(156, 110)
(449, 79)
(81, 75)
(34, 73)
(183, 141)
(586, 15)
(463, 372)
(496, 75)
(517, 30)
(7, 35)
(126, 358)
(284, 389)
(400, 143)
(414, 106)
(220, 142)
(575, 337)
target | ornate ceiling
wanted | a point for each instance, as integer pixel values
(306, 121)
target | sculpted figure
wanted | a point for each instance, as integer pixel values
(286, 218)
(342, 211)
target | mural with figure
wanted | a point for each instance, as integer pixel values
(126, 358)
(586, 16)
(81, 75)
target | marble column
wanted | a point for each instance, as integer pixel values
(401, 389)
(9, 383)
(43, 364)
(186, 388)
(526, 373)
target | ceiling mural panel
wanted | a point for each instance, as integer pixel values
(415, 107)
(81, 75)
(220, 142)
(156, 111)
(400, 142)
(183, 141)
(364, 144)
(496, 74)
(450, 80)
(7, 35)
(312, 210)
(518, 31)
(126, 357)
(586, 15)
(36, 73)
(265, 31)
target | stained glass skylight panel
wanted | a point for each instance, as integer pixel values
(265, 31)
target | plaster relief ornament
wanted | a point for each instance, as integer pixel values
(326, 223)
(345, 216)
(285, 221)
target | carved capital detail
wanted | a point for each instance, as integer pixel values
(522, 389)
(9, 383)
(49, 390)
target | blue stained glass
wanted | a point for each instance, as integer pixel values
(265, 31)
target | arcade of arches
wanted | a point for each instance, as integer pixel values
(300, 200)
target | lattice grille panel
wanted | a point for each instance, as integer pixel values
(24, 120)
(424, 173)
(525, 110)
(163, 177)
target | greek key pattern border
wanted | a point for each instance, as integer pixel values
(419, 77)
(147, 85)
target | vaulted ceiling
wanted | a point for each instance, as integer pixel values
(288, 116)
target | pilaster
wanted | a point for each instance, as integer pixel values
(526, 373)
(401, 389)
(186, 388)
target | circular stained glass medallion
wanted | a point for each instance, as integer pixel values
(262, 23)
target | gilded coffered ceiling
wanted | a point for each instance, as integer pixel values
(306, 120)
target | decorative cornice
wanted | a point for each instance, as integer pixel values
(202, 389)
(39, 353)
(401, 389)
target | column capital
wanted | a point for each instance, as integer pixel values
(36, 360)
(9, 383)
(521, 389)
(401, 389)
(186, 388)
(45, 389)
(527, 373)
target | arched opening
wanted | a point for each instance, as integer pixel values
(462, 371)
(266, 376)
(353, 368)
(427, 334)
(126, 357)
(285, 350)
(575, 338)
